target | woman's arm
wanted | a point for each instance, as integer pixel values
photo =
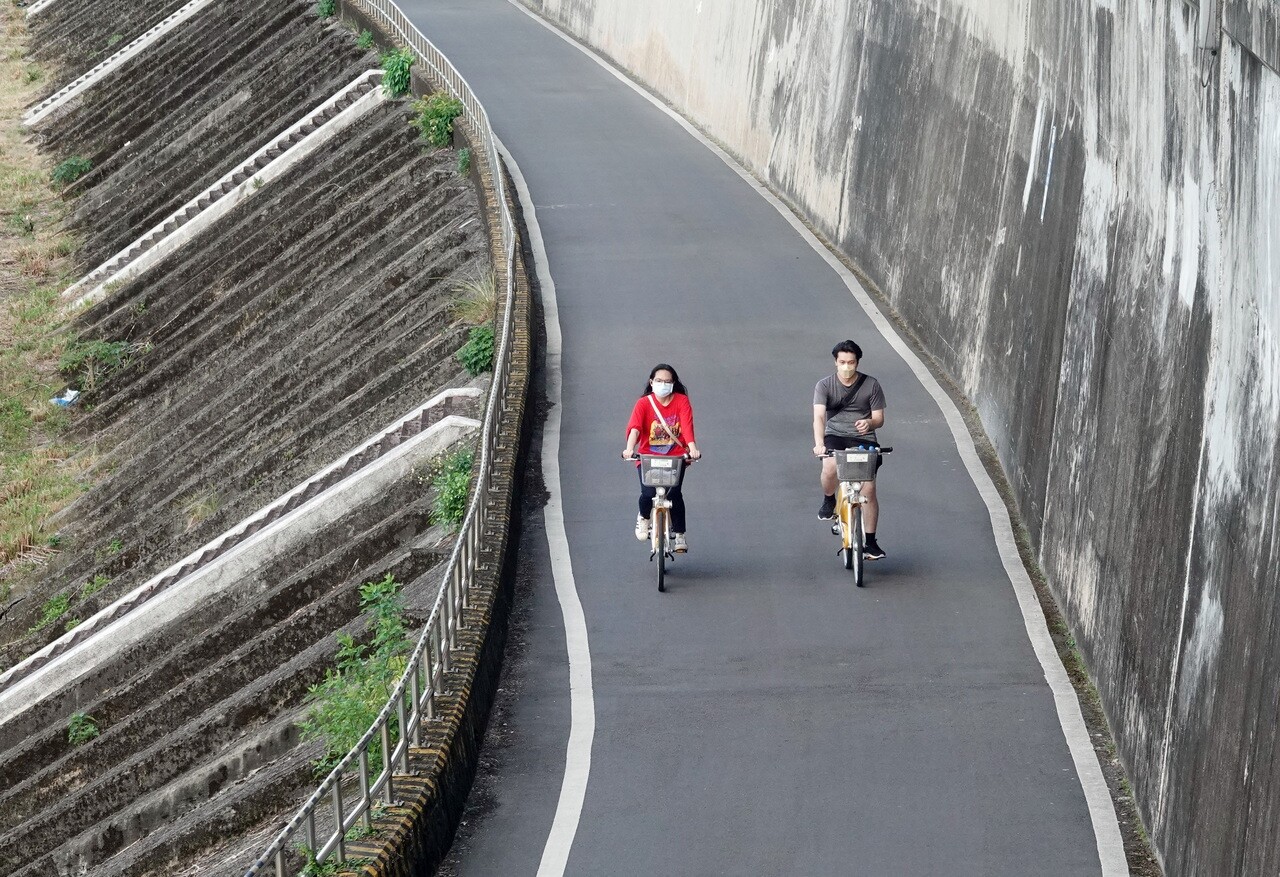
(633, 437)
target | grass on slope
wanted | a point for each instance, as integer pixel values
(36, 478)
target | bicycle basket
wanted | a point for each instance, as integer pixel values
(857, 464)
(661, 471)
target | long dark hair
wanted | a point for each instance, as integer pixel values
(675, 379)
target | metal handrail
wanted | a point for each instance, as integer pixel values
(413, 698)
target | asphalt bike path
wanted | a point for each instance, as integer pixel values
(763, 715)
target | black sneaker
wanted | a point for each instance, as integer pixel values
(873, 551)
(828, 510)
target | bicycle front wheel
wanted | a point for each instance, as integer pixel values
(859, 543)
(660, 547)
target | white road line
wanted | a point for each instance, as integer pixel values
(1106, 827)
(582, 708)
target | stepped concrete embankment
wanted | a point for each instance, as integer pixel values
(1071, 206)
(271, 343)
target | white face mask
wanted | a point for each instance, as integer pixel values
(663, 388)
(846, 371)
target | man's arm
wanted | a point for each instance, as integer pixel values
(819, 429)
(867, 424)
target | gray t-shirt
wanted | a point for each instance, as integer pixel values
(830, 392)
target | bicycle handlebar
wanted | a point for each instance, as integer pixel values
(885, 450)
(635, 458)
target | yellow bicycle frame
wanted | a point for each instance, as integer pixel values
(844, 510)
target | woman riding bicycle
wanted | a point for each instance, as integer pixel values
(662, 423)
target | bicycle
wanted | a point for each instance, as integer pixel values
(662, 473)
(854, 467)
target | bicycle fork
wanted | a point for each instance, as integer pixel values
(660, 526)
(850, 501)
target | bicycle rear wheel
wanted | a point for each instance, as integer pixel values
(660, 547)
(858, 540)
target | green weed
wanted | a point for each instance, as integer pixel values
(477, 353)
(53, 609)
(81, 728)
(67, 172)
(327, 8)
(342, 707)
(365, 41)
(434, 117)
(115, 546)
(451, 483)
(90, 362)
(93, 586)
(71, 625)
(464, 161)
(396, 77)
(114, 39)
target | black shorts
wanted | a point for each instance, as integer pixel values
(844, 443)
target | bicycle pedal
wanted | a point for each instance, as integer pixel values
(835, 529)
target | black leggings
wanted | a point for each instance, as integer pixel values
(677, 503)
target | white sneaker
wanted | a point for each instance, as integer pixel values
(679, 544)
(642, 528)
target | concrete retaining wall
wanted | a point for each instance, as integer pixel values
(1073, 206)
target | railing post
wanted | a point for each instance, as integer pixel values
(415, 690)
(403, 761)
(386, 762)
(338, 815)
(365, 797)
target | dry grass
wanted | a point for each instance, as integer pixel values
(477, 301)
(36, 478)
(200, 506)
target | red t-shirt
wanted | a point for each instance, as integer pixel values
(678, 415)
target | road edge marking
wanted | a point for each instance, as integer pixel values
(1102, 814)
(582, 710)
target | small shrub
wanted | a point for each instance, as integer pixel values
(71, 170)
(55, 608)
(257, 183)
(477, 353)
(464, 161)
(81, 728)
(113, 39)
(395, 72)
(115, 546)
(327, 8)
(435, 115)
(477, 301)
(342, 707)
(92, 361)
(365, 40)
(451, 484)
(34, 74)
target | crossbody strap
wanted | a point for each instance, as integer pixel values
(662, 420)
(849, 397)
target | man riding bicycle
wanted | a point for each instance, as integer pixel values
(848, 407)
